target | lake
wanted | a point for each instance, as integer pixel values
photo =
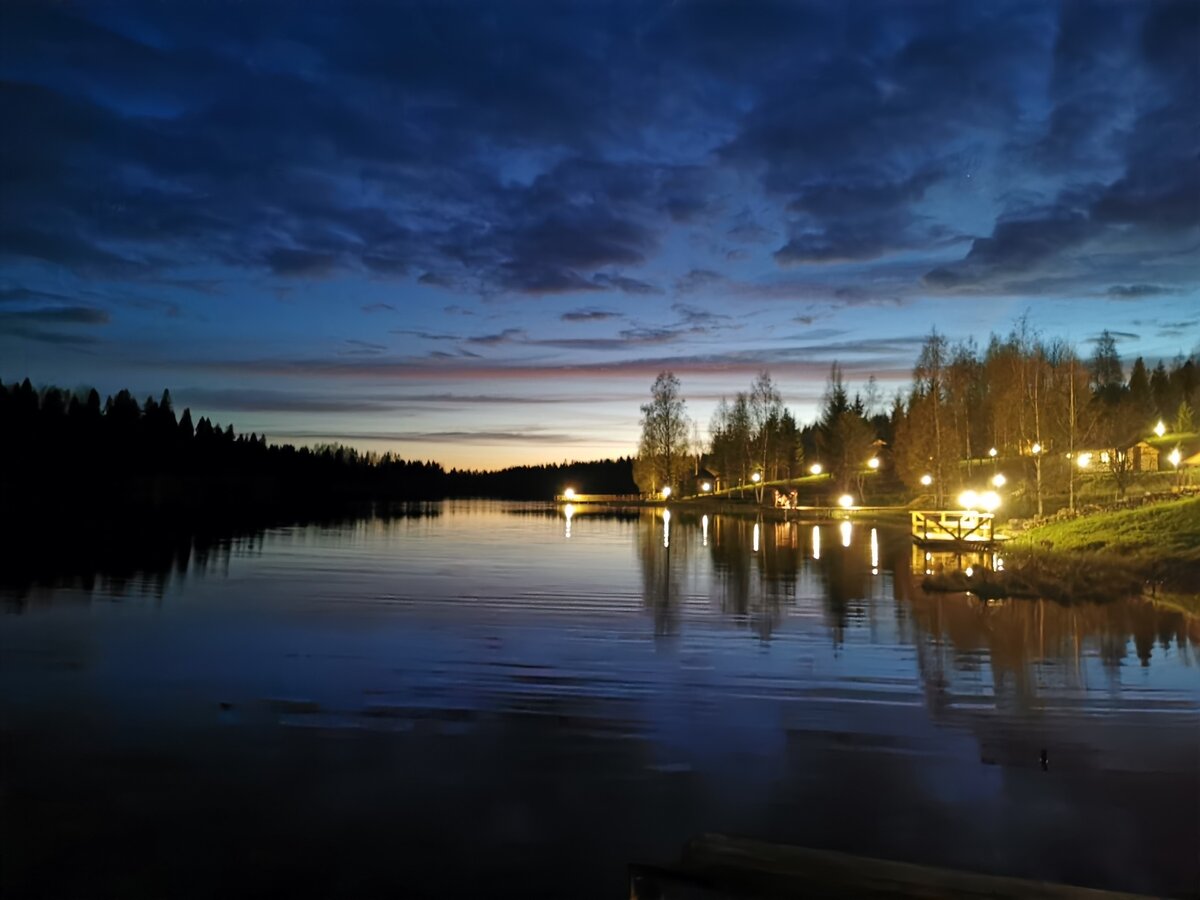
(472, 698)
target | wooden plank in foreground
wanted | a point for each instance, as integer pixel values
(719, 866)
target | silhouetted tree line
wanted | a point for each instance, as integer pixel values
(606, 476)
(1026, 402)
(66, 451)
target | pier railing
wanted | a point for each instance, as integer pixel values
(601, 498)
(958, 525)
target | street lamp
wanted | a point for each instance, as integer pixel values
(1175, 457)
(998, 480)
(666, 493)
(1083, 460)
(927, 480)
(992, 453)
(845, 501)
(706, 487)
(873, 462)
(756, 477)
(1035, 449)
(569, 493)
(815, 469)
(1160, 429)
(990, 501)
(968, 500)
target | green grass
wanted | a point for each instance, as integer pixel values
(1171, 528)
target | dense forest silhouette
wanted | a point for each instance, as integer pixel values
(67, 452)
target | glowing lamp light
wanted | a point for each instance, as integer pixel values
(666, 492)
(1175, 457)
(873, 462)
(1160, 429)
(815, 469)
(1035, 449)
(1083, 460)
(998, 480)
(992, 453)
(968, 500)
(569, 493)
(706, 487)
(845, 501)
(970, 571)
(927, 480)
(990, 501)
(756, 477)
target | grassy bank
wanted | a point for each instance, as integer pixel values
(1156, 545)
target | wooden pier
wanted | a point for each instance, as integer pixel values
(953, 526)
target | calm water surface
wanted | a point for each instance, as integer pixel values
(486, 697)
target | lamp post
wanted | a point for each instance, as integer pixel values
(1175, 459)
(1036, 451)
(756, 477)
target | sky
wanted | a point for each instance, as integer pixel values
(476, 232)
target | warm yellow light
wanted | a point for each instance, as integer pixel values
(706, 487)
(1175, 457)
(998, 480)
(992, 453)
(666, 492)
(927, 480)
(990, 501)
(1160, 429)
(569, 493)
(845, 501)
(1035, 449)
(815, 468)
(756, 477)
(873, 462)
(1083, 460)
(847, 531)
(968, 499)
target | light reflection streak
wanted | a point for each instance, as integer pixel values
(704, 531)
(874, 552)
(847, 529)
(755, 537)
(816, 542)
(568, 513)
(666, 528)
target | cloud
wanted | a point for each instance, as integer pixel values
(59, 315)
(590, 315)
(697, 280)
(363, 348)
(296, 263)
(1138, 291)
(626, 285)
(378, 307)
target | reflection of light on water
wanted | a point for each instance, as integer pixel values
(704, 530)
(816, 542)
(568, 512)
(847, 529)
(755, 537)
(874, 551)
(666, 528)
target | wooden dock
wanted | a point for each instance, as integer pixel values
(716, 865)
(943, 527)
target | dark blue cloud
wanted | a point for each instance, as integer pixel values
(582, 181)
